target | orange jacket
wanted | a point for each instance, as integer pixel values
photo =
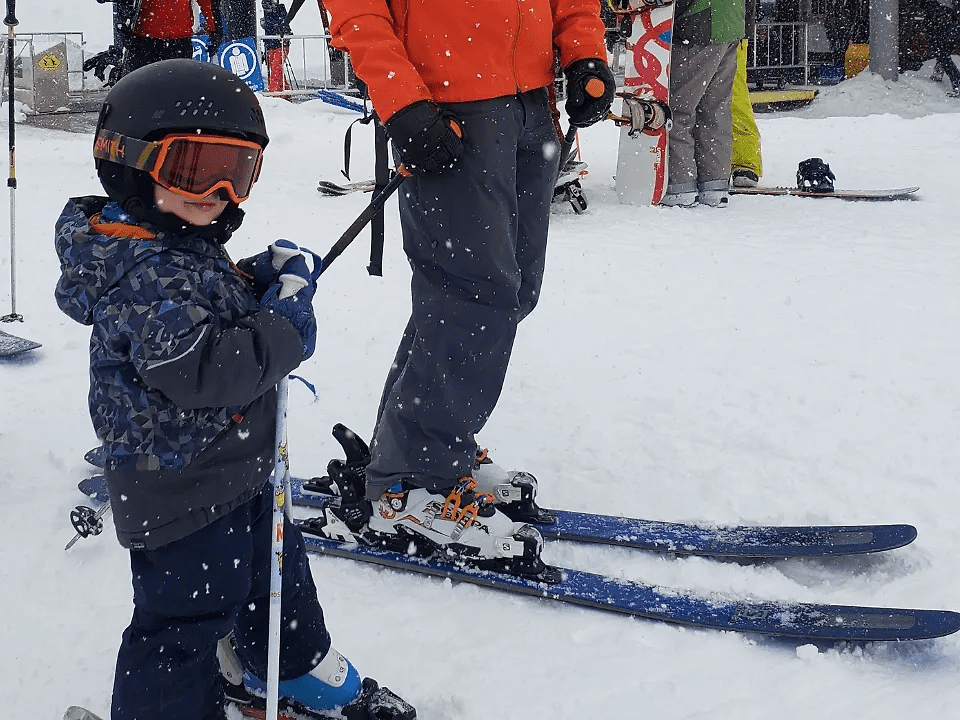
(461, 50)
(170, 19)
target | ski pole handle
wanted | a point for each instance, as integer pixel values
(11, 19)
(594, 88)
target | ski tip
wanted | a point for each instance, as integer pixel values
(75, 712)
(12, 345)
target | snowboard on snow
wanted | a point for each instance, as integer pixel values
(905, 193)
(642, 153)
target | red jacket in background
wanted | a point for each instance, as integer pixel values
(170, 19)
(461, 50)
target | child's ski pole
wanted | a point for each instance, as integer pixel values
(281, 483)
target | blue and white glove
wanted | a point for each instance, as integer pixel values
(291, 296)
(265, 267)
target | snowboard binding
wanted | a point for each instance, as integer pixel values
(642, 115)
(814, 175)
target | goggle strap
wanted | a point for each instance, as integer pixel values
(125, 150)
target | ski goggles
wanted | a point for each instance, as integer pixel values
(188, 164)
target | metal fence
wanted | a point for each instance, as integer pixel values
(310, 64)
(778, 55)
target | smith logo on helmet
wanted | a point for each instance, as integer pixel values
(109, 148)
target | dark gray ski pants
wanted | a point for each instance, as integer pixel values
(476, 237)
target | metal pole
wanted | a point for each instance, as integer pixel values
(885, 38)
(11, 21)
(281, 479)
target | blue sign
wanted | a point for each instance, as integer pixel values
(241, 58)
(200, 53)
(238, 56)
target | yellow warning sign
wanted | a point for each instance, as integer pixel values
(48, 63)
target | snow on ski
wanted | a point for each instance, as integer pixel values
(834, 623)
(743, 542)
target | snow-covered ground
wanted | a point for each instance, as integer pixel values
(783, 360)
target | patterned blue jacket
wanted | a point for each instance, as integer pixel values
(183, 369)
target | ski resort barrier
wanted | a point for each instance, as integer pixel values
(47, 70)
(778, 55)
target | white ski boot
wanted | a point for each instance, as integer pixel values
(514, 491)
(463, 526)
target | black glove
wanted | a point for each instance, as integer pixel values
(427, 138)
(215, 39)
(586, 104)
(106, 65)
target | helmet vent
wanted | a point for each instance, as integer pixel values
(197, 107)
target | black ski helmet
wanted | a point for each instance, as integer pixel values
(166, 97)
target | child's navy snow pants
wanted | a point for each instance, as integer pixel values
(192, 592)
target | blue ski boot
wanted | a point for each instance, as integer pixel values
(331, 685)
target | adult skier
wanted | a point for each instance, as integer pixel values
(463, 92)
(185, 354)
(146, 31)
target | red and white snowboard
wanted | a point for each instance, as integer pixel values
(642, 156)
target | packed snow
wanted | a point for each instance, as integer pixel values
(783, 360)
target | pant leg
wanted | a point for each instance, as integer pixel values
(688, 79)
(304, 639)
(475, 236)
(746, 136)
(399, 362)
(950, 68)
(188, 594)
(536, 176)
(713, 131)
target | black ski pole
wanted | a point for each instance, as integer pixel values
(594, 88)
(10, 21)
(363, 218)
(566, 148)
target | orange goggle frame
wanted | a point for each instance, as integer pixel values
(188, 164)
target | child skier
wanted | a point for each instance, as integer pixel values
(185, 354)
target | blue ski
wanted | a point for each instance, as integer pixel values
(791, 620)
(744, 542)
(835, 623)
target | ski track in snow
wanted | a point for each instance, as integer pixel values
(784, 360)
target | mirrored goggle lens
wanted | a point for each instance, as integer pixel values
(197, 166)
